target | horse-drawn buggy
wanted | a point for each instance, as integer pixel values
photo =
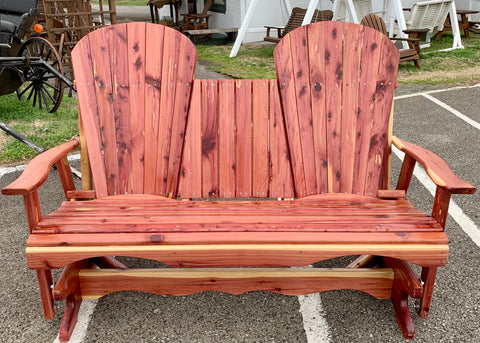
(30, 67)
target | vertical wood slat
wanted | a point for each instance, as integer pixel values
(154, 77)
(285, 74)
(260, 165)
(82, 59)
(84, 161)
(333, 80)
(210, 138)
(316, 51)
(371, 52)
(121, 106)
(169, 65)
(190, 183)
(300, 59)
(351, 73)
(384, 100)
(136, 45)
(281, 183)
(104, 91)
(243, 111)
(185, 70)
(226, 141)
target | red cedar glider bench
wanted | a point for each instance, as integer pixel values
(303, 161)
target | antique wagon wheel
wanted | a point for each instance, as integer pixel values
(42, 87)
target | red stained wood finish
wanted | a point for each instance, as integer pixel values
(321, 133)
(134, 98)
(235, 143)
(337, 82)
(97, 283)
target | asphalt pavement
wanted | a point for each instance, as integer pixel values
(429, 118)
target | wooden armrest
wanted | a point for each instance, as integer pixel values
(436, 168)
(273, 27)
(38, 169)
(421, 31)
(413, 40)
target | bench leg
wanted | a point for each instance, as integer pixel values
(404, 319)
(45, 283)
(428, 277)
(70, 317)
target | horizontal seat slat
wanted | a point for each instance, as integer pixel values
(226, 228)
(238, 255)
(142, 238)
(367, 215)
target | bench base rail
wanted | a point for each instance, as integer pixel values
(382, 278)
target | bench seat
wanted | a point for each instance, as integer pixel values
(314, 228)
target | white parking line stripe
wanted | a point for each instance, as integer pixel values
(8, 170)
(467, 225)
(314, 323)
(398, 97)
(453, 111)
(84, 316)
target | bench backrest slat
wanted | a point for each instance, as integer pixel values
(235, 142)
(336, 84)
(134, 83)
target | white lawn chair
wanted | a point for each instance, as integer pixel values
(362, 8)
(429, 15)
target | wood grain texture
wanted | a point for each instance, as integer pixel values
(336, 85)
(97, 283)
(237, 255)
(318, 97)
(136, 97)
(281, 184)
(300, 63)
(243, 115)
(436, 168)
(37, 171)
(286, 82)
(190, 183)
(227, 139)
(210, 139)
(136, 37)
(260, 165)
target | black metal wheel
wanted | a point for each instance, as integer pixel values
(41, 86)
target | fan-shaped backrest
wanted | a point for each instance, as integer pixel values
(375, 22)
(134, 84)
(336, 84)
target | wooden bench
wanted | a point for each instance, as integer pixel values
(295, 20)
(406, 55)
(195, 34)
(232, 182)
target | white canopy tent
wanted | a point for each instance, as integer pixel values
(392, 8)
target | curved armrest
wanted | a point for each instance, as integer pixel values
(414, 40)
(436, 168)
(38, 169)
(417, 31)
(274, 27)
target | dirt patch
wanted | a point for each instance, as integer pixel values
(467, 75)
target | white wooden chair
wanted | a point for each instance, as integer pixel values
(362, 8)
(429, 15)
